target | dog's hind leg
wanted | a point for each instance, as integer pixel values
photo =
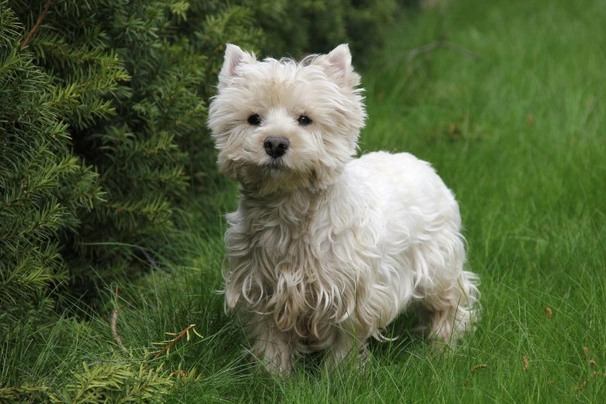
(454, 309)
(447, 292)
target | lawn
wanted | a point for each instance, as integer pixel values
(507, 100)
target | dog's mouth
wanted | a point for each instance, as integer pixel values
(275, 166)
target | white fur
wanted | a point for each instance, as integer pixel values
(325, 250)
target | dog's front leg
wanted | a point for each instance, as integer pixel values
(272, 347)
(346, 349)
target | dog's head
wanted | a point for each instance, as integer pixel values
(281, 125)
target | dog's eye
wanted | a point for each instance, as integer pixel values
(254, 119)
(304, 120)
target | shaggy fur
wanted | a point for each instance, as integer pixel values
(325, 250)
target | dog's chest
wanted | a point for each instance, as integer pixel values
(304, 282)
(296, 252)
(298, 263)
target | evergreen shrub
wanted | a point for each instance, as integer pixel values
(42, 185)
(299, 28)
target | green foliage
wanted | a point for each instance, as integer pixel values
(127, 91)
(42, 185)
(317, 26)
(74, 361)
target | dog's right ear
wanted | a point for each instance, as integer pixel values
(337, 66)
(234, 57)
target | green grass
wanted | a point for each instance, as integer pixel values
(512, 115)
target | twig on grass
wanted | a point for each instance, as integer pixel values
(173, 341)
(114, 324)
(35, 27)
(480, 366)
(526, 363)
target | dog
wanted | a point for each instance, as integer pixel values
(325, 250)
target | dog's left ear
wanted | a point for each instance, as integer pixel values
(337, 66)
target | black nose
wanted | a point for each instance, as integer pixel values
(276, 146)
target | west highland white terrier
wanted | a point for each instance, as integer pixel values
(326, 250)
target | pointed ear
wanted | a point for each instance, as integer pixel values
(337, 66)
(234, 57)
(340, 58)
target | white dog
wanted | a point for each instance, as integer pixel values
(325, 250)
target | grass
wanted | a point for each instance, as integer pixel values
(507, 102)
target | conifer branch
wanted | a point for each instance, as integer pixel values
(35, 27)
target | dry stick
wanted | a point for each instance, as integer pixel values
(40, 18)
(149, 258)
(173, 341)
(430, 47)
(114, 324)
(461, 50)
